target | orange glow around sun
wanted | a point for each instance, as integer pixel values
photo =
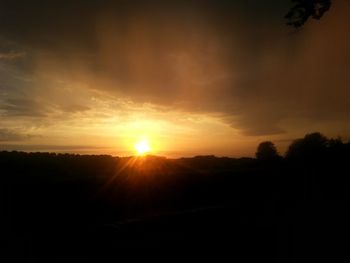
(142, 147)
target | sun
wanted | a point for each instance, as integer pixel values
(142, 147)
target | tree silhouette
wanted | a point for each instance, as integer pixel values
(312, 146)
(304, 9)
(267, 151)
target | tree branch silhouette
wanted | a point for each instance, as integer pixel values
(304, 9)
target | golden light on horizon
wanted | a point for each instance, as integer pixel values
(142, 147)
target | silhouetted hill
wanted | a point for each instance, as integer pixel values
(60, 207)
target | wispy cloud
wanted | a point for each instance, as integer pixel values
(23, 107)
(7, 135)
(12, 55)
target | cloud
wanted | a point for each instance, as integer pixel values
(233, 59)
(54, 148)
(7, 135)
(12, 55)
(23, 107)
(73, 108)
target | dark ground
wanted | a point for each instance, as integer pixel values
(71, 208)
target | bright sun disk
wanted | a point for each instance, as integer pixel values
(142, 147)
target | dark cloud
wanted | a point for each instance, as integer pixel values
(48, 148)
(12, 55)
(75, 108)
(236, 59)
(23, 107)
(7, 135)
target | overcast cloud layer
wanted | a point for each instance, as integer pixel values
(236, 60)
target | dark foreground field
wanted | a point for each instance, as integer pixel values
(71, 208)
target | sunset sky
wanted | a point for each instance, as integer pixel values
(191, 77)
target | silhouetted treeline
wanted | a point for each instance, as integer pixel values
(89, 205)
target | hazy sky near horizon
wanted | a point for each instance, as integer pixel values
(193, 77)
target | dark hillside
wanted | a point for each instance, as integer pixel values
(62, 207)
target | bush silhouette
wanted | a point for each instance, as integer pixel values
(312, 146)
(267, 152)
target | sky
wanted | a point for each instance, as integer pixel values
(191, 77)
